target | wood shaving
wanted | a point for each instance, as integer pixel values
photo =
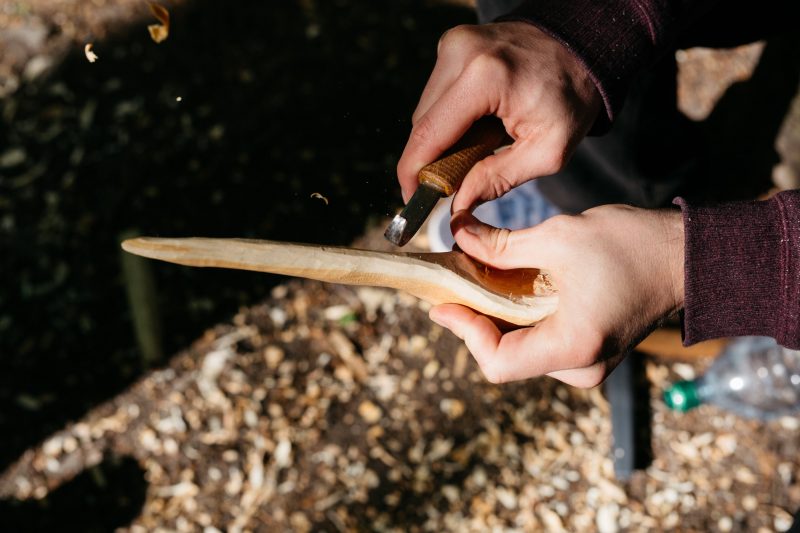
(159, 32)
(370, 412)
(90, 55)
(318, 195)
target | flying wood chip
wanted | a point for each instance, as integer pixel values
(90, 55)
(159, 32)
(318, 195)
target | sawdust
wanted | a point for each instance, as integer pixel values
(159, 32)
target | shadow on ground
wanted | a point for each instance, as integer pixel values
(107, 496)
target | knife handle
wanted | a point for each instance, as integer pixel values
(446, 174)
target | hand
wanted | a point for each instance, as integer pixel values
(618, 270)
(513, 70)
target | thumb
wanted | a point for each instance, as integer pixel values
(497, 174)
(500, 247)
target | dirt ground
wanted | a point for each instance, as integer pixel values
(315, 407)
(336, 409)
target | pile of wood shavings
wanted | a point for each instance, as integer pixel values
(318, 410)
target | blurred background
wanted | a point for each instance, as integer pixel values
(228, 128)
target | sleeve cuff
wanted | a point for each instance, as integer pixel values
(740, 269)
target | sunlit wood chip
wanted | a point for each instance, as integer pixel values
(507, 498)
(440, 447)
(90, 55)
(159, 32)
(283, 454)
(451, 492)
(370, 412)
(451, 407)
(318, 195)
(550, 518)
(273, 355)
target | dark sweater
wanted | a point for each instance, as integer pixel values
(742, 260)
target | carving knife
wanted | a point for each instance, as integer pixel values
(444, 176)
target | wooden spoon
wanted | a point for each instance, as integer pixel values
(521, 296)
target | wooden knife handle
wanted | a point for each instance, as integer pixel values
(445, 175)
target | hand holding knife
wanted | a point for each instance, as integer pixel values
(444, 176)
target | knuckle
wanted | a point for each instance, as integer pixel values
(422, 132)
(495, 183)
(501, 185)
(481, 170)
(499, 240)
(488, 65)
(454, 38)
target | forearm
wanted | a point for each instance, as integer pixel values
(742, 269)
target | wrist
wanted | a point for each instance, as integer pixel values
(675, 247)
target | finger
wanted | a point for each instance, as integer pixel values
(524, 160)
(442, 77)
(437, 84)
(444, 74)
(455, 47)
(502, 248)
(438, 129)
(518, 354)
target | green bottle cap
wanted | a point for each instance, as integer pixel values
(682, 396)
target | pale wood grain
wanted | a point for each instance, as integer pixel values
(520, 297)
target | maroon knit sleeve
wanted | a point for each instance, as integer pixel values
(742, 269)
(614, 39)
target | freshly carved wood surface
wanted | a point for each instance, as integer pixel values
(520, 297)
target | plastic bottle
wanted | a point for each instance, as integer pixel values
(753, 377)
